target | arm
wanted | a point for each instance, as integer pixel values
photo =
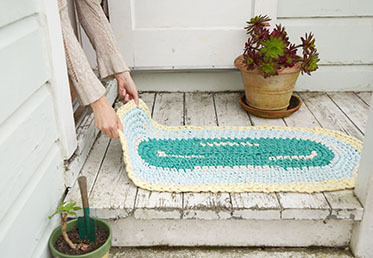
(109, 60)
(89, 88)
(100, 34)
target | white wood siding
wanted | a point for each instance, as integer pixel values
(31, 163)
(344, 35)
(169, 34)
(186, 35)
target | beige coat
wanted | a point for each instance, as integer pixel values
(98, 29)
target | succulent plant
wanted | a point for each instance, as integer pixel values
(270, 51)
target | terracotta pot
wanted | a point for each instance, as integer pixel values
(271, 93)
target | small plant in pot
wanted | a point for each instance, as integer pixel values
(270, 65)
(81, 237)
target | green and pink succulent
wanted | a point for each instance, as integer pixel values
(270, 51)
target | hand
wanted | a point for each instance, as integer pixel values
(106, 119)
(126, 87)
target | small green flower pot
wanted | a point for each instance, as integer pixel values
(102, 251)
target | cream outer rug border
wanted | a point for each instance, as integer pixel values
(303, 187)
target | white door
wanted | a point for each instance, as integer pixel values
(183, 34)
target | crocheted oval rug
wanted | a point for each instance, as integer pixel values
(235, 159)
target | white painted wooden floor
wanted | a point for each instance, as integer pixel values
(112, 195)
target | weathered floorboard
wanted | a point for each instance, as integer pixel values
(353, 107)
(366, 96)
(306, 202)
(113, 195)
(255, 206)
(344, 205)
(168, 110)
(207, 206)
(229, 111)
(302, 118)
(157, 205)
(328, 114)
(303, 206)
(91, 168)
(257, 121)
(200, 111)
(148, 98)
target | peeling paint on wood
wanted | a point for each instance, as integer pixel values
(209, 206)
(354, 108)
(366, 96)
(328, 114)
(113, 194)
(344, 205)
(169, 110)
(256, 206)
(86, 136)
(304, 206)
(200, 111)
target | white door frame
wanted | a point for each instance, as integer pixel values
(362, 240)
(59, 85)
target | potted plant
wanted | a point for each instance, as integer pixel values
(68, 241)
(270, 65)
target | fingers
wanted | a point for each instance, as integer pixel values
(126, 98)
(118, 127)
(114, 133)
(136, 98)
(106, 132)
(106, 119)
(111, 132)
(122, 92)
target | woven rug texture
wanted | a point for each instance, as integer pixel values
(235, 159)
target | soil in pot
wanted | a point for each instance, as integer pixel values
(63, 247)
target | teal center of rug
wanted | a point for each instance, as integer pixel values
(215, 152)
(235, 159)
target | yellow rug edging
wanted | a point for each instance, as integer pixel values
(303, 187)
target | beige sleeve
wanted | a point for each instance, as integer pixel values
(101, 36)
(86, 83)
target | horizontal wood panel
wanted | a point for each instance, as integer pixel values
(25, 139)
(315, 8)
(337, 78)
(326, 78)
(339, 40)
(191, 13)
(199, 48)
(28, 217)
(11, 11)
(23, 57)
(193, 47)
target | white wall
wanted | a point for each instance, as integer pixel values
(31, 160)
(181, 39)
(344, 37)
